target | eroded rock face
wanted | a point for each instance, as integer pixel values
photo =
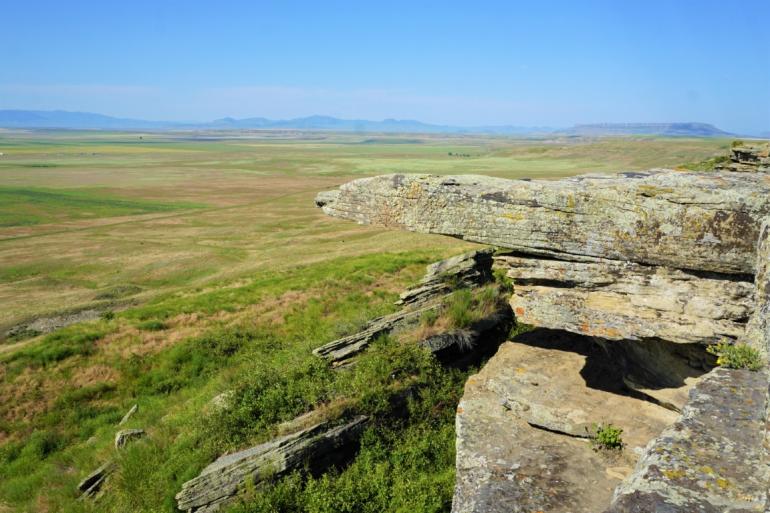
(319, 446)
(712, 460)
(701, 221)
(642, 263)
(627, 301)
(749, 157)
(522, 423)
(758, 330)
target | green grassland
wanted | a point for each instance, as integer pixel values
(216, 273)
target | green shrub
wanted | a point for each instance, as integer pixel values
(74, 340)
(429, 317)
(607, 437)
(152, 325)
(706, 165)
(459, 307)
(736, 356)
(502, 279)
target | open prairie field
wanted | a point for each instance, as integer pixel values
(90, 218)
(196, 263)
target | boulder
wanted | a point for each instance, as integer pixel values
(124, 436)
(319, 447)
(684, 220)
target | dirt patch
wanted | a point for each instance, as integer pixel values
(94, 374)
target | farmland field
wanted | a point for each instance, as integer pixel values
(206, 267)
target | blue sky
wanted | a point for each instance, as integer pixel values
(544, 63)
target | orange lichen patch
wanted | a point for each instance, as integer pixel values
(600, 331)
(94, 374)
(460, 410)
(519, 311)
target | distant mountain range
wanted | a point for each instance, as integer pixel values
(88, 121)
(668, 129)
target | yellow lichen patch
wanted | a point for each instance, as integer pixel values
(516, 216)
(674, 474)
(722, 483)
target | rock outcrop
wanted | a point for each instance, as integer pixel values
(125, 436)
(651, 266)
(749, 157)
(713, 459)
(470, 269)
(91, 485)
(522, 426)
(319, 447)
(699, 221)
(628, 301)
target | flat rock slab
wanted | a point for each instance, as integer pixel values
(506, 464)
(713, 459)
(701, 221)
(628, 301)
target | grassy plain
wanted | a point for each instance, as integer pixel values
(223, 276)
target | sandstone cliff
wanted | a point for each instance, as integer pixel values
(653, 266)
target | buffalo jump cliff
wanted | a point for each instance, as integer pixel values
(628, 278)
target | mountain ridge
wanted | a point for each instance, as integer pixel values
(42, 119)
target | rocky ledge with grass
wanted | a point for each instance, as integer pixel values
(446, 281)
(457, 311)
(644, 274)
(316, 448)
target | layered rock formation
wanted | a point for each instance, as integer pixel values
(628, 301)
(699, 221)
(643, 263)
(319, 447)
(749, 157)
(468, 270)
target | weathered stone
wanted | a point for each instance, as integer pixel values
(441, 278)
(627, 301)
(505, 464)
(751, 157)
(712, 459)
(124, 436)
(467, 270)
(129, 414)
(319, 446)
(91, 485)
(701, 221)
(758, 330)
(346, 347)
